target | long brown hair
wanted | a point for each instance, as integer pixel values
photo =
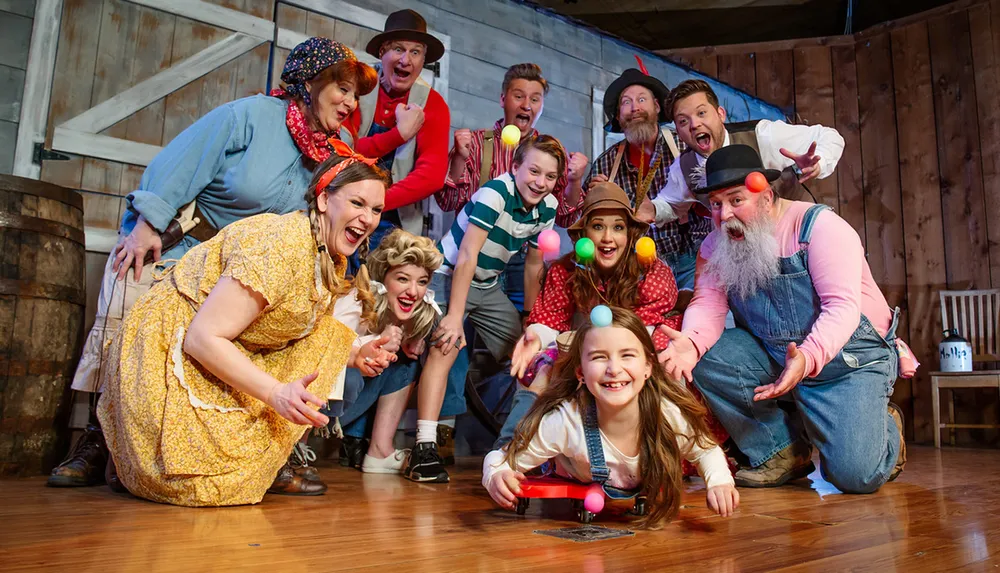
(353, 173)
(659, 455)
(620, 289)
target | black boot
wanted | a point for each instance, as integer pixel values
(85, 464)
(352, 451)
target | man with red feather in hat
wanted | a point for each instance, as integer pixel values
(635, 105)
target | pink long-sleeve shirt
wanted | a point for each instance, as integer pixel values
(840, 275)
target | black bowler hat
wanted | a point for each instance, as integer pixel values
(729, 167)
(407, 25)
(631, 77)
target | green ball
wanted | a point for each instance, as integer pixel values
(585, 250)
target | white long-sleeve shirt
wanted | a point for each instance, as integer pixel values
(347, 309)
(561, 438)
(675, 198)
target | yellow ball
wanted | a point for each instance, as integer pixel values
(645, 249)
(511, 135)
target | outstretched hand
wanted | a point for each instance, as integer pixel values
(794, 372)
(808, 162)
(723, 499)
(504, 487)
(524, 352)
(680, 356)
(294, 403)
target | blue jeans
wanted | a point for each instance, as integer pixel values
(682, 265)
(513, 279)
(523, 399)
(844, 410)
(397, 376)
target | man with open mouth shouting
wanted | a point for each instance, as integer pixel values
(404, 122)
(480, 155)
(812, 328)
(800, 152)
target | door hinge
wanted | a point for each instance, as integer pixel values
(41, 154)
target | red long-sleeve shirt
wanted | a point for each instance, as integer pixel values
(431, 165)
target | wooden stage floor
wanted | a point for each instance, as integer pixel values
(940, 515)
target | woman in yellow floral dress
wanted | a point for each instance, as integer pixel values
(208, 390)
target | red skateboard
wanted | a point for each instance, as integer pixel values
(588, 499)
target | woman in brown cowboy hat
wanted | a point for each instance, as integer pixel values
(615, 277)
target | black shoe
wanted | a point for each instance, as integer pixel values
(352, 451)
(85, 464)
(425, 465)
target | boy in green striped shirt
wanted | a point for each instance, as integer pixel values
(501, 217)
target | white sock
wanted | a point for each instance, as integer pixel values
(448, 421)
(427, 431)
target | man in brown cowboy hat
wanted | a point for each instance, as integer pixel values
(635, 105)
(404, 122)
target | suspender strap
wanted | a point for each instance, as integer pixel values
(618, 162)
(595, 448)
(671, 144)
(808, 221)
(486, 160)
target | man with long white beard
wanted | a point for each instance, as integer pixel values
(812, 328)
(635, 104)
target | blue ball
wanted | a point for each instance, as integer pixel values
(601, 316)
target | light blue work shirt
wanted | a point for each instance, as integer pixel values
(239, 160)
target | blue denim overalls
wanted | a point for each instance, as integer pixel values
(843, 410)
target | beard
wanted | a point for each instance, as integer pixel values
(744, 267)
(640, 129)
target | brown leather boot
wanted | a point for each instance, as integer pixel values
(288, 483)
(897, 417)
(84, 466)
(302, 454)
(793, 462)
(446, 444)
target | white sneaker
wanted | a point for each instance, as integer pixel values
(390, 465)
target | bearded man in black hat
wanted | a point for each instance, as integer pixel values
(635, 104)
(405, 122)
(812, 327)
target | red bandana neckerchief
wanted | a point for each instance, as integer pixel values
(312, 144)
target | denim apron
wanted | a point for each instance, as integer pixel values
(787, 308)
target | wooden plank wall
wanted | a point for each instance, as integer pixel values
(917, 103)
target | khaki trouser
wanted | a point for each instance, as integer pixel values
(113, 303)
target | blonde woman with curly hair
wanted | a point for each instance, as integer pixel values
(400, 270)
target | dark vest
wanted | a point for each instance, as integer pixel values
(744, 133)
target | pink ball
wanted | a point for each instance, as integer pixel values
(548, 241)
(594, 500)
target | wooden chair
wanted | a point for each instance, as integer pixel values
(974, 313)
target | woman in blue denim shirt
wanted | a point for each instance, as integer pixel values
(251, 156)
(400, 270)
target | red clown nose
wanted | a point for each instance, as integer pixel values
(756, 182)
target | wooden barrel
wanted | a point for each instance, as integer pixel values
(42, 303)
